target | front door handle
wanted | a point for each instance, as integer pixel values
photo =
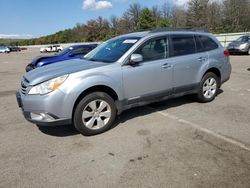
(166, 66)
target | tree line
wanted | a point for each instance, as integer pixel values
(216, 16)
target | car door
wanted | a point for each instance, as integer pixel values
(187, 62)
(153, 76)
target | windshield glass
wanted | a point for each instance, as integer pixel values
(111, 50)
(64, 51)
(243, 39)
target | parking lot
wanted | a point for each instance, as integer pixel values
(176, 143)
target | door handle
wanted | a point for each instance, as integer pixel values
(166, 66)
(202, 59)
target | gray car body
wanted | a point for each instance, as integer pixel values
(234, 46)
(131, 85)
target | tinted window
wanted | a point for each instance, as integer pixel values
(208, 43)
(183, 45)
(64, 51)
(154, 49)
(87, 49)
(82, 50)
(243, 39)
(199, 46)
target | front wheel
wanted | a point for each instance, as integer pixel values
(94, 114)
(208, 88)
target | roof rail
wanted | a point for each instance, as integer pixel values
(164, 29)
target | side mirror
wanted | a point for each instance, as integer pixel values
(135, 58)
(71, 55)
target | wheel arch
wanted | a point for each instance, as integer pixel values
(216, 71)
(97, 88)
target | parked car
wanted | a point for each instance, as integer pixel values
(14, 48)
(127, 71)
(51, 48)
(240, 46)
(4, 49)
(71, 52)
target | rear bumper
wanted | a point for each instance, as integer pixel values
(226, 72)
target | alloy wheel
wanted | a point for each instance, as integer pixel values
(96, 114)
(209, 88)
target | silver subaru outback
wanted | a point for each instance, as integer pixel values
(124, 72)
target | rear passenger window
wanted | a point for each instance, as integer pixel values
(183, 45)
(208, 43)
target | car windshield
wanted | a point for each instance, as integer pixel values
(64, 51)
(111, 50)
(243, 39)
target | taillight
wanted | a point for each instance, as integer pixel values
(226, 53)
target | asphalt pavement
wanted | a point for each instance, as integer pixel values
(176, 143)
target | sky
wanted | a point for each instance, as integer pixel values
(35, 18)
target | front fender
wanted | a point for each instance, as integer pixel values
(75, 86)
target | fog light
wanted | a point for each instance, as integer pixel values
(41, 116)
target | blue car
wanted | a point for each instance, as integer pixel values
(72, 52)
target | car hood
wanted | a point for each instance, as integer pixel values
(40, 58)
(50, 71)
(236, 43)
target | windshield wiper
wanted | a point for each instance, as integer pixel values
(100, 60)
(93, 59)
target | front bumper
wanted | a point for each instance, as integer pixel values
(29, 67)
(237, 50)
(43, 110)
(55, 122)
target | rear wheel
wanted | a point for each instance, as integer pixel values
(208, 88)
(94, 114)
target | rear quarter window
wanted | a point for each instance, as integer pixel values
(207, 43)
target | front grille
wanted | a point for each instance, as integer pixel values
(24, 86)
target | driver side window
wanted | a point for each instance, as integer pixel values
(154, 49)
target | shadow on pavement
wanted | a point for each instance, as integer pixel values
(59, 131)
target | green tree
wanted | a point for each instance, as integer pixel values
(197, 13)
(146, 20)
(163, 23)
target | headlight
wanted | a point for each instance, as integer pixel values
(48, 86)
(243, 46)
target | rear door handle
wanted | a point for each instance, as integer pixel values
(202, 59)
(166, 66)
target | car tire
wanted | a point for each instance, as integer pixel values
(248, 53)
(208, 88)
(94, 114)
